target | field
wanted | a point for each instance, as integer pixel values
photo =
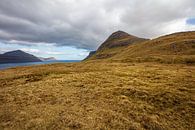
(98, 95)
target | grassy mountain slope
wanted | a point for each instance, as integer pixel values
(174, 48)
(115, 43)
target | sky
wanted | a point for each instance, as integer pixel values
(70, 29)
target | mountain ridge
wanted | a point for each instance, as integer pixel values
(118, 39)
(172, 48)
(17, 56)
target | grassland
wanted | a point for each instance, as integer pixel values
(98, 95)
(173, 48)
(129, 83)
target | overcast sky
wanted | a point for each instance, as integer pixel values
(69, 29)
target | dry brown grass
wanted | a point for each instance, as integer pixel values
(98, 95)
(174, 48)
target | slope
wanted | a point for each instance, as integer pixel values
(115, 43)
(173, 48)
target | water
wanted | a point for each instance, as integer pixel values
(10, 65)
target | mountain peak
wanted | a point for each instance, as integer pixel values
(118, 39)
(119, 35)
(120, 32)
(19, 51)
(15, 53)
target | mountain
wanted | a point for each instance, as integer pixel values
(118, 39)
(111, 46)
(90, 54)
(17, 56)
(47, 59)
(173, 48)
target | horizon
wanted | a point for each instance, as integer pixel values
(69, 30)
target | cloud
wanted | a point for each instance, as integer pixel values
(31, 50)
(37, 51)
(87, 23)
(54, 53)
(27, 43)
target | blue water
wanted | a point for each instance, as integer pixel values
(10, 65)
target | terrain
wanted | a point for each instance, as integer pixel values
(173, 48)
(17, 56)
(128, 83)
(116, 42)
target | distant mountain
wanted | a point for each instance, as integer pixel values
(17, 56)
(47, 59)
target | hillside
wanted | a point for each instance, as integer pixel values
(98, 95)
(114, 44)
(174, 48)
(17, 56)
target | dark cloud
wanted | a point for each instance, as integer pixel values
(86, 23)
